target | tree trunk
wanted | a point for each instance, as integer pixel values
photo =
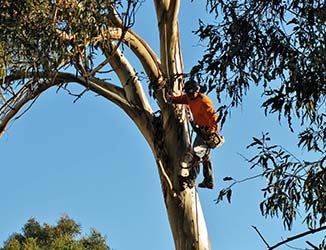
(182, 203)
(187, 221)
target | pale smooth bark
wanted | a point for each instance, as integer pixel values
(184, 209)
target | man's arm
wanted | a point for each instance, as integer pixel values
(181, 99)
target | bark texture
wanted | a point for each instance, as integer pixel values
(183, 206)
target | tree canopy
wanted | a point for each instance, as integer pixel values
(64, 235)
(280, 47)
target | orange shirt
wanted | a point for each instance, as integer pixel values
(202, 109)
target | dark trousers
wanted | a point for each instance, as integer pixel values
(201, 150)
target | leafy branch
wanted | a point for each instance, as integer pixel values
(228, 190)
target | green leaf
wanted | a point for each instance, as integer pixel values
(228, 195)
(227, 178)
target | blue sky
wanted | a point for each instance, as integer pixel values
(89, 161)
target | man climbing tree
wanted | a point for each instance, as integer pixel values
(206, 127)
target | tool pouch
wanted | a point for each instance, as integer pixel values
(214, 140)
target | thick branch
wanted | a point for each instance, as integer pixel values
(141, 49)
(14, 105)
(105, 89)
(312, 231)
(167, 17)
(167, 6)
(132, 86)
(142, 117)
(295, 237)
(10, 109)
(170, 51)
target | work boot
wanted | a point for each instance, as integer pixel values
(206, 184)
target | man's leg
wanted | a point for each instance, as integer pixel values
(208, 181)
(202, 151)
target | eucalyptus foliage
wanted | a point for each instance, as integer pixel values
(279, 46)
(53, 34)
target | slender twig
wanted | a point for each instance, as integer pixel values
(285, 173)
(261, 236)
(312, 245)
(243, 180)
(28, 108)
(296, 248)
(224, 190)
